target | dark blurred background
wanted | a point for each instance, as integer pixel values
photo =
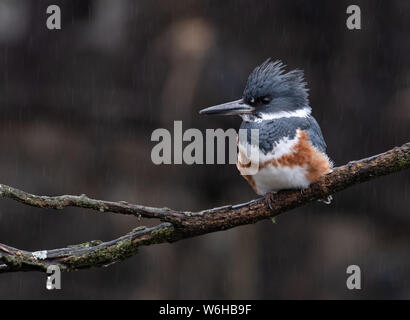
(78, 106)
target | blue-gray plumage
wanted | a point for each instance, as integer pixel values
(290, 144)
(270, 86)
(272, 131)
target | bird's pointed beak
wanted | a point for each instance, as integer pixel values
(230, 108)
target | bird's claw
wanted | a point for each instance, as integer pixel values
(327, 200)
(268, 200)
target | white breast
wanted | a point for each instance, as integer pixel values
(273, 177)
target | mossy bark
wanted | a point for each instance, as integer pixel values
(177, 225)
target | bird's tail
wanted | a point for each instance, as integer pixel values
(327, 200)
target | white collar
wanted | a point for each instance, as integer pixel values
(300, 113)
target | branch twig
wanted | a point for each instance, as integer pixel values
(177, 225)
(82, 201)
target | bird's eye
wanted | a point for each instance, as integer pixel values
(252, 100)
(266, 100)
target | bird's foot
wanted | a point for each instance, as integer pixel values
(268, 200)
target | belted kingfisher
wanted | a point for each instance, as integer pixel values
(291, 149)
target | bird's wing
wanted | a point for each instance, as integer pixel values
(315, 134)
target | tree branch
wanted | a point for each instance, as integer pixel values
(177, 225)
(82, 201)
